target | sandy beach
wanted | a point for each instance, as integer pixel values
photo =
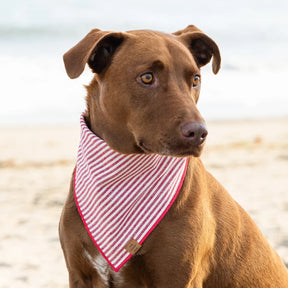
(250, 158)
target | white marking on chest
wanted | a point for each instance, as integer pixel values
(101, 266)
(118, 278)
(105, 272)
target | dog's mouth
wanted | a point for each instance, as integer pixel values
(195, 151)
(144, 147)
(177, 151)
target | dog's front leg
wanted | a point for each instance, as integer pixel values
(76, 281)
(173, 274)
(182, 281)
(90, 280)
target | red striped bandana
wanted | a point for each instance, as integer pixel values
(121, 198)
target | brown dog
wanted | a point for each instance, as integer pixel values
(142, 100)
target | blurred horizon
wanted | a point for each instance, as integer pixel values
(252, 36)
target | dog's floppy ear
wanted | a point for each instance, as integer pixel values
(96, 49)
(189, 28)
(201, 46)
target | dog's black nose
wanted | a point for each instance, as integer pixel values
(194, 132)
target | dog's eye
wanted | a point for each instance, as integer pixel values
(147, 78)
(195, 81)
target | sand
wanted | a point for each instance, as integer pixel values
(250, 158)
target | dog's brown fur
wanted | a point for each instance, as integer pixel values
(206, 239)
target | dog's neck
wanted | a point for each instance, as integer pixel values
(93, 112)
(117, 136)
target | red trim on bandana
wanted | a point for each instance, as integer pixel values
(120, 197)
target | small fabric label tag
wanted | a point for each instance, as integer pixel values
(132, 246)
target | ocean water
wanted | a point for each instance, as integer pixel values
(34, 34)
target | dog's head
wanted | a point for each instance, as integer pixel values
(146, 86)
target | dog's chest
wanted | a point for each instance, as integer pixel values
(104, 270)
